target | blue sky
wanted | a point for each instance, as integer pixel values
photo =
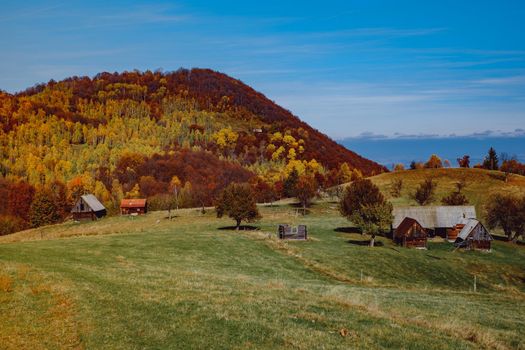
(349, 68)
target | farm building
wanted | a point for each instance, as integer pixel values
(437, 220)
(410, 233)
(88, 207)
(474, 236)
(133, 206)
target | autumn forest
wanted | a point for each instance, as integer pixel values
(152, 134)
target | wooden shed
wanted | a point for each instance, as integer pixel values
(474, 236)
(133, 206)
(88, 207)
(410, 233)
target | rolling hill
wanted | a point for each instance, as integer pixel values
(149, 282)
(480, 184)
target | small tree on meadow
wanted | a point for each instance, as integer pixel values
(238, 202)
(396, 187)
(456, 197)
(305, 191)
(365, 206)
(425, 192)
(491, 161)
(434, 162)
(506, 211)
(399, 167)
(464, 162)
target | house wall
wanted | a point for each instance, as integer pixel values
(138, 210)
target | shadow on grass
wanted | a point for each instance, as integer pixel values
(365, 243)
(504, 239)
(348, 230)
(241, 228)
(172, 217)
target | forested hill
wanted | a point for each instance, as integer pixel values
(160, 96)
(129, 134)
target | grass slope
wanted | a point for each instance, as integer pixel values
(126, 283)
(480, 184)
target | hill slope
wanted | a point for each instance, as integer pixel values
(148, 282)
(199, 101)
(480, 184)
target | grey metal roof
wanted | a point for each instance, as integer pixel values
(93, 202)
(435, 216)
(469, 226)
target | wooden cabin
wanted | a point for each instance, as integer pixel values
(437, 220)
(289, 232)
(88, 207)
(133, 206)
(474, 236)
(410, 233)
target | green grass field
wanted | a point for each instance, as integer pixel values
(148, 282)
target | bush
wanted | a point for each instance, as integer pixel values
(11, 224)
(425, 192)
(395, 187)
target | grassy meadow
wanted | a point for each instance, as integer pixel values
(480, 184)
(147, 282)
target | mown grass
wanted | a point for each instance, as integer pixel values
(153, 283)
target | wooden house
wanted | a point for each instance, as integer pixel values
(437, 220)
(474, 236)
(133, 206)
(88, 207)
(410, 233)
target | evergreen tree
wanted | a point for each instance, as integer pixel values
(491, 161)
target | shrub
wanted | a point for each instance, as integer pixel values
(395, 187)
(11, 224)
(425, 192)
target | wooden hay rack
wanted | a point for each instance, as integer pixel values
(298, 232)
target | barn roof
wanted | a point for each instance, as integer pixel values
(405, 226)
(133, 203)
(93, 202)
(469, 226)
(435, 216)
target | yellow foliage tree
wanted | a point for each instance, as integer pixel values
(225, 138)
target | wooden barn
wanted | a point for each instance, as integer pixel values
(474, 236)
(133, 206)
(88, 207)
(437, 220)
(410, 233)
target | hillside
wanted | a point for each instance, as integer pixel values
(188, 106)
(145, 134)
(148, 282)
(480, 184)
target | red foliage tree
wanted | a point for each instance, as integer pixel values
(19, 200)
